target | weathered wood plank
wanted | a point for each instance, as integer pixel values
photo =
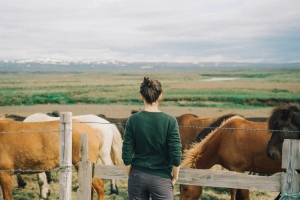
(291, 153)
(84, 148)
(65, 164)
(84, 180)
(290, 183)
(85, 170)
(213, 178)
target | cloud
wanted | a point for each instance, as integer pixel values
(226, 30)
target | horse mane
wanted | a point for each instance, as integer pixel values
(189, 114)
(15, 117)
(257, 119)
(194, 153)
(204, 132)
(54, 113)
(276, 118)
(102, 116)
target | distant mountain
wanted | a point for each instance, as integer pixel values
(57, 66)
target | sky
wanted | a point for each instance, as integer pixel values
(257, 31)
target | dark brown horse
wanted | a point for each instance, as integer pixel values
(284, 123)
(119, 122)
(236, 145)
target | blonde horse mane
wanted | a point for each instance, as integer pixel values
(192, 155)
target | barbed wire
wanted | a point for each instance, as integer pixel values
(69, 168)
(30, 131)
(32, 171)
(207, 127)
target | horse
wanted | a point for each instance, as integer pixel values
(235, 146)
(119, 122)
(32, 151)
(284, 123)
(235, 193)
(191, 125)
(111, 151)
(21, 182)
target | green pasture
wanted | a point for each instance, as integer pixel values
(251, 88)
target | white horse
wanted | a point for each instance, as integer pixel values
(109, 154)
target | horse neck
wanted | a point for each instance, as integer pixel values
(202, 154)
(208, 151)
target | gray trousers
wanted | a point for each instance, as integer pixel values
(141, 185)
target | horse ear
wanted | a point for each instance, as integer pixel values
(288, 114)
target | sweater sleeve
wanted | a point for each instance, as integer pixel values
(128, 144)
(174, 144)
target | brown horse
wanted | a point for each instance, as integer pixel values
(34, 150)
(216, 122)
(284, 123)
(20, 180)
(235, 145)
(191, 125)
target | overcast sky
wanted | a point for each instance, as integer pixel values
(156, 30)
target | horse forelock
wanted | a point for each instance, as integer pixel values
(276, 120)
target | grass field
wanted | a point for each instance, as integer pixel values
(249, 93)
(246, 89)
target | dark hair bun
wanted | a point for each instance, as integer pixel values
(150, 89)
(147, 81)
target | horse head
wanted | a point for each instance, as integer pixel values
(190, 192)
(284, 123)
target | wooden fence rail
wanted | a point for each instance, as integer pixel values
(287, 182)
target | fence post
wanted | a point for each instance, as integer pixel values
(85, 170)
(290, 181)
(65, 165)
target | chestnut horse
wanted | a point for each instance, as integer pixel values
(191, 125)
(284, 123)
(21, 182)
(23, 148)
(237, 145)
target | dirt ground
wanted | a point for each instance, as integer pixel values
(119, 111)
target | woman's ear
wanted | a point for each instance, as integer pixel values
(142, 97)
(160, 96)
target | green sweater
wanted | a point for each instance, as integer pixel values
(152, 143)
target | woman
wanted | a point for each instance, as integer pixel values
(151, 148)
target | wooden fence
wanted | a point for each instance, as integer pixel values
(288, 183)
